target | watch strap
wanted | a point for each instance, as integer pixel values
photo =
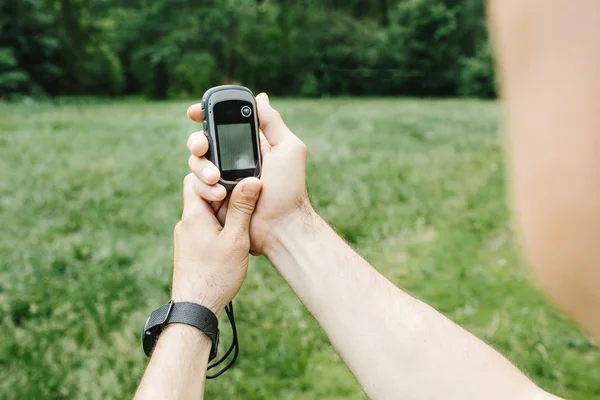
(182, 313)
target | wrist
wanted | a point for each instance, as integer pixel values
(211, 302)
(186, 333)
(297, 226)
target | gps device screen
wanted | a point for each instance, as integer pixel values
(235, 146)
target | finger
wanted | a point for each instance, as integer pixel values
(270, 121)
(198, 144)
(194, 208)
(194, 112)
(265, 147)
(241, 206)
(206, 171)
(255, 253)
(216, 206)
(221, 211)
(210, 193)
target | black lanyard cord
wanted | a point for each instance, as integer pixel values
(235, 347)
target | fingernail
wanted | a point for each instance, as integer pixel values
(251, 190)
(216, 191)
(209, 173)
(194, 143)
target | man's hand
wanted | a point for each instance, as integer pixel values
(210, 265)
(210, 260)
(283, 174)
(380, 332)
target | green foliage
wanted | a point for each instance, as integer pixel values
(310, 86)
(12, 80)
(91, 192)
(423, 35)
(407, 47)
(477, 77)
(350, 53)
(105, 73)
(29, 46)
(195, 73)
(60, 46)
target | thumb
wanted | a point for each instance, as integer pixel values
(271, 124)
(241, 206)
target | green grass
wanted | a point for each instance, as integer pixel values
(89, 195)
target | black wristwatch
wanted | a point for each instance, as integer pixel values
(181, 313)
(194, 315)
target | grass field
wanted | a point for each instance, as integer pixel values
(89, 195)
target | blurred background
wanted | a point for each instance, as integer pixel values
(394, 99)
(177, 48)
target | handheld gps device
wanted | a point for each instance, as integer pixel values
(230, 123)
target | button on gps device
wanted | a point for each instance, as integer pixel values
(246, 111)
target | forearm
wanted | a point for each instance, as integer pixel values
(396, 346)
(177, 369)
(548, 54)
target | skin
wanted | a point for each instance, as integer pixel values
(395, 345)
(210, 264)
(283, 177)
(548, 54)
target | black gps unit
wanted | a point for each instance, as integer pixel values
(230, 124)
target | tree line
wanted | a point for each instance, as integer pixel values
(178, 48)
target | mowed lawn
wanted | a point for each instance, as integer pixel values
(90, 192)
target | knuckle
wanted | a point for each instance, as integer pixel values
(273, 115)
(177, 229)
(300, 147)
(186, 225)
(187, 222)
(238, 243)
(264, 124)
(189, 181)
(245, 207)
(192, 161)
(241, 241)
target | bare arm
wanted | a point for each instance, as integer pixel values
(396, 346)
(177, 369)
(549, 61)
(210, 264)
